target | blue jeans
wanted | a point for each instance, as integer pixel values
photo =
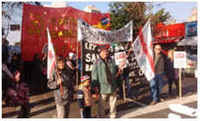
(156, 85)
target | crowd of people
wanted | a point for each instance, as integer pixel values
(15, 91)
(94, 91)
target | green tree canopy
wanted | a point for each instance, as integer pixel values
(138, 12)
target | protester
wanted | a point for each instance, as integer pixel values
(70, 66)
(171, 73)
(36, 75)
(105, 74)
(63, 87)
(7, 78)
(18, 95)
(5, 51)
(71, 61)
(5, 75)
(95, 99)
(84, 97)
(44, 72)
(15, 63)
(156, 82)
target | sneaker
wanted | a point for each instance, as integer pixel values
(153, 103)
(162, 99)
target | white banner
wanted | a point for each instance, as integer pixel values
(142, 48)
(100, 36)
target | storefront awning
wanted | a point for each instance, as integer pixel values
(167, 40)
(189, 41)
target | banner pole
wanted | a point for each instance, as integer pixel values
(124, 91)
(77, 78)
(81, 57)
(180, 83)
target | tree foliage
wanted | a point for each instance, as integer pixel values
(138, 12)
(160, 17)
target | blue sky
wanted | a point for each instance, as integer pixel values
(178, 10)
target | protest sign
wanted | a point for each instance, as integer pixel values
(180, 59)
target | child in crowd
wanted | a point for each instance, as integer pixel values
(63, 89)
(95, 98)
(84, 97)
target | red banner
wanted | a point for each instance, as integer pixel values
(62, 23)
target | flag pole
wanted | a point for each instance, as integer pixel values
(49, 40)
(77, 78)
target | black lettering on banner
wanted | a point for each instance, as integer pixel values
(89, 56)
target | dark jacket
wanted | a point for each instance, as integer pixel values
(71, 73)
(159, 64)
(169, 69)
(67, 88)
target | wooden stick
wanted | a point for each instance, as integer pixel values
(180, 83)
(61, 87)
(124, 90)
(77, 63)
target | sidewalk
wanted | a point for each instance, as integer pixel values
(159, 110)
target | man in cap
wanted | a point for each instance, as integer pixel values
(105, 74)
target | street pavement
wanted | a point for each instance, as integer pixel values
(43, 105)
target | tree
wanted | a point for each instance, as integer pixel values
(160, 17)
(10, 14)
(138, 12)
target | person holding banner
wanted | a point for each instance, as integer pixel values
(106, 76)
(156, 82)
(61, 84)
